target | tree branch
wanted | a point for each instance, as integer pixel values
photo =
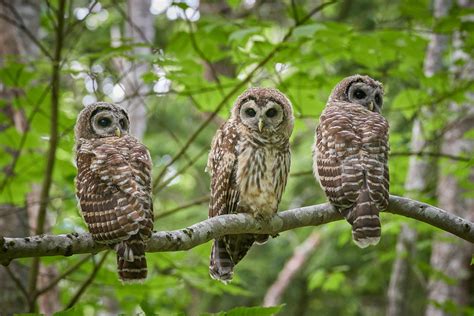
(202, 232)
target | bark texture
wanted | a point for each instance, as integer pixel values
(449, 258)
(452, 258)
(139, 31)
(420, 180)
(294, 265)
(14, 43)
(192, 236)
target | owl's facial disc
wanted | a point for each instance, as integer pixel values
(106, 122)
(261, 118)
(369, 97)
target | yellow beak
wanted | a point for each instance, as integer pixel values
(260, 124)
(371, 106)
(118, 133)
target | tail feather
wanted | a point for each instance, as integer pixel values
(131, 260)
(365, 221)
(227, 252)
(221, 266)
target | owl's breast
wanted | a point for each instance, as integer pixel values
(256, 179)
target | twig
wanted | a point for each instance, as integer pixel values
(430, 154)
(203, 56)
(294, 9)
(229, 95)
(63, 275)
(132, 24)
(23, 140)
(18, 284)
(53, 140)
(291, 268)
(180, 171)
(72, 25)
(88, 282)
(21, 26)
(215, 227)
(198, 201)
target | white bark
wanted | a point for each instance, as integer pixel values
(419, 178)
(301, 254)
(202, 232)
(139, 30)
(452, 259)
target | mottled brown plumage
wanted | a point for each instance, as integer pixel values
(113, 186)
(350, 155)
(249, 163)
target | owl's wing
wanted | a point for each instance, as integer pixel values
(112, 190)
(336, 142)
(281, 171)
(221, 165)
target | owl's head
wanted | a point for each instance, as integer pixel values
(361, 90)
(100, 120)
(265, 111)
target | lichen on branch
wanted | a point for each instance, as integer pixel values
(202, 232)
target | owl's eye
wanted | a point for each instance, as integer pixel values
(271, 112)
(359, 94)
(104, 122)
(250, 112)
(123, 124)
(378, 99)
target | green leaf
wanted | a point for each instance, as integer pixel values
(316, 280)
(409, 101)
(334, 281)
(242, 34)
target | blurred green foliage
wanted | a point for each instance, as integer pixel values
(384, 39)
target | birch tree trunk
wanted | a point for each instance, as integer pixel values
(139, 29)
(452, 257)
(420, 179)
(14, 220)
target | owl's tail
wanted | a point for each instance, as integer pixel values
(221, 266)
(365, 220)
(131, 261)
(226, 253)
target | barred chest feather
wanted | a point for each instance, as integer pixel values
(260, 175)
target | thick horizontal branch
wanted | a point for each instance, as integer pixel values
(202, 232)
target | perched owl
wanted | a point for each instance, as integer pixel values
(113, 186)
(350, 155)
(249, 163)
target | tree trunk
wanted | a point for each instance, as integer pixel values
(14, 220)
(301, 254)
(419, 182)
(139, 29)
(449, 256)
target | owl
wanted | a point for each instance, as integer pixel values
(350, 155)
(248, 163)
(113, 186)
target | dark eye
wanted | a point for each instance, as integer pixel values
(123, 123)
(250, 112)
(104, 122)
(359, 94)
(271, 112)
(378, 99)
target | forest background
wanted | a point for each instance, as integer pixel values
(178, 66)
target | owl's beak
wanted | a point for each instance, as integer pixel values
(260, 124)
(118, 133)
(371, 106)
